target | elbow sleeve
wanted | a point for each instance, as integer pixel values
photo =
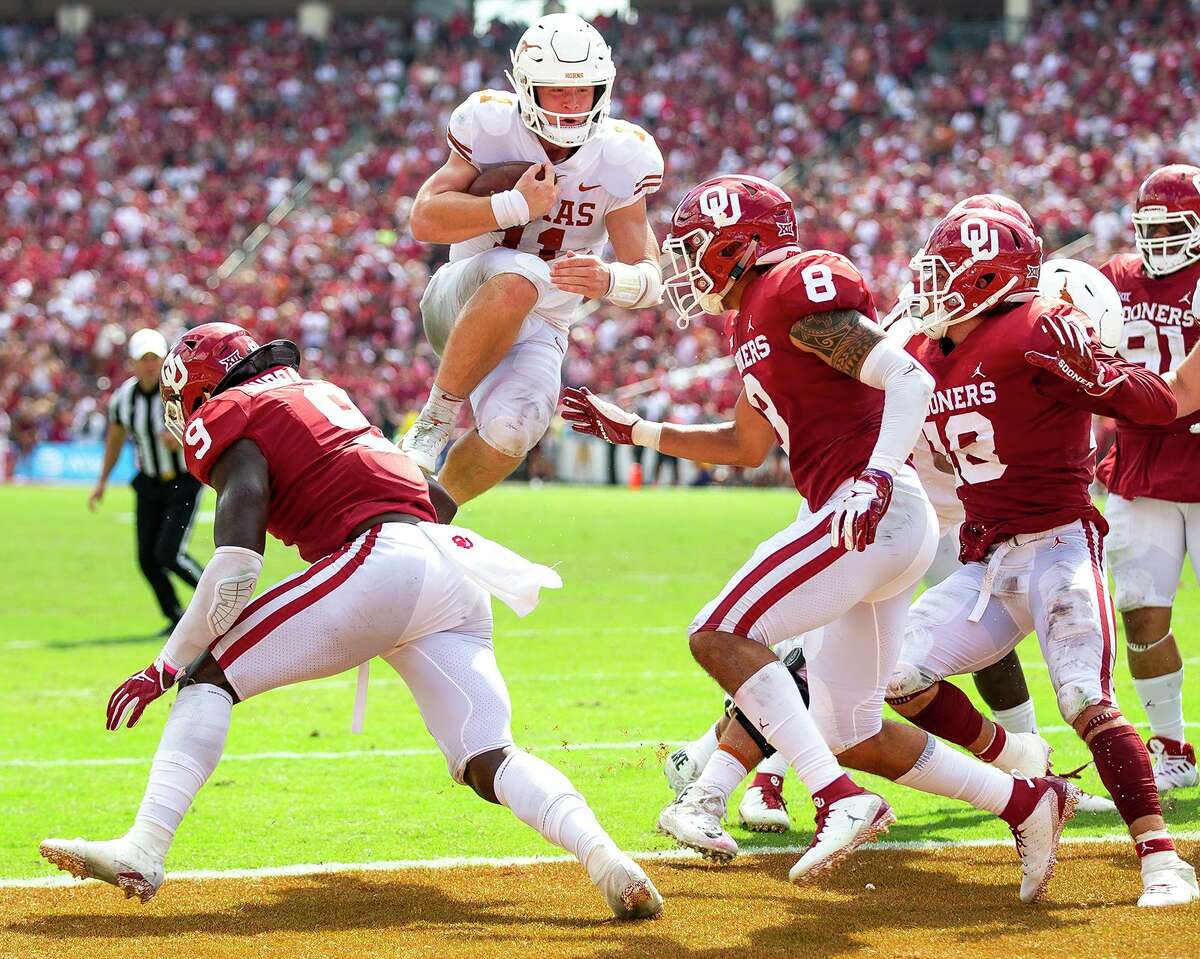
(907, 387)
(222, 594)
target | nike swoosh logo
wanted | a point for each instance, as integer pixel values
(583, 187)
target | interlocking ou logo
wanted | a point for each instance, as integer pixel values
(174, 373)
(461, 541)
(983, 243)
(721, 206)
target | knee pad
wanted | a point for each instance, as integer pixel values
(1074, 698)
(515, 434)
(906, 682)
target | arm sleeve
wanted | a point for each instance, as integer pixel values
(907, 387)
(821, 282)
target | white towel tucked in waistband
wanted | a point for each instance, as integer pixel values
(511, 578)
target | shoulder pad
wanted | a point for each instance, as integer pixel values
(1122, 265)
(633, 165)
(483, 115)
(216, 426)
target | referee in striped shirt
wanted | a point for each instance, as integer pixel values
(167, 496)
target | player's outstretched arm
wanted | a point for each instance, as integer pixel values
(634, 280)
(240, 478)
(743, 441)
(444, 212)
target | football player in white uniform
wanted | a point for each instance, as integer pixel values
(523, 260)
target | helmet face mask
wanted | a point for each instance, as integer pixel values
(688, 287)
(561, 50)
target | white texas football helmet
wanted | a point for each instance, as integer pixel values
(1090, 290)
(562, 50)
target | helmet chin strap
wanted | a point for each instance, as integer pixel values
(744, 261)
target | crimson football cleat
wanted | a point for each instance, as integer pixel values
(1037, 814)
(762, 808)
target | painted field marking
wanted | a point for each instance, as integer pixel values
(487, 862)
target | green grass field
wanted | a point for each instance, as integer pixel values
(600, 676)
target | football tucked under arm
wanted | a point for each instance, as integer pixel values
(499, 178)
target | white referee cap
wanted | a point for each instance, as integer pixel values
(147, 341)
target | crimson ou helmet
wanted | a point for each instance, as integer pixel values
(997, 201)
(720, 229)
(211, 358)
(1166, 219)
(973, 260)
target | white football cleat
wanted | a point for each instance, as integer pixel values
(842, 826)
(1024, 754)
(694, 821)
(118, 861)
(628, 890)
(1173, 885)
(1037, 835)
(763, 809)
(681, 770)
(1174, 764)
(424, 442)
(1091, 803)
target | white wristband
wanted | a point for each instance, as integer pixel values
(510, 209)
(647, 434)
(634, 285)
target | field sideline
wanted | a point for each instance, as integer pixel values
(601, 680)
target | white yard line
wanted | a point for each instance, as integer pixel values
(487, 862)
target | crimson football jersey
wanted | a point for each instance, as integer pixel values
(330, 470)
(826, 422)
(1161, 326)
(1019, 437)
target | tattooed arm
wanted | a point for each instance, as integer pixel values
(857, 347)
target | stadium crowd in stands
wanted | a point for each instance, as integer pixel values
(134, 159)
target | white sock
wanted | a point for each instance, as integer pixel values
(770, 699)
(442, 407)
(701, 749)
(947, 772)
(722, 773)
(1162, 698)
(542, 797)
(773, 765)
(1019, 719)
(191, 746)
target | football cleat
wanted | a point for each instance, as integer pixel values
(118, 861)
(1173, 885)
(842, 826)
(1024, 754)
(424, 442)
(1174, 763)
(1091, 803)
(762, 808)
(694, 822)
(681, 770)
(1038, 833)
(629, 891)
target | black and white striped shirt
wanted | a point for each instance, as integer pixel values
(141, 414)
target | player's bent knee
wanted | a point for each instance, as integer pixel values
(480, 772)
(908, 682)
(206, 670)
(517, 433)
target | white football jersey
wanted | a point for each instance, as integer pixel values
(615, 168)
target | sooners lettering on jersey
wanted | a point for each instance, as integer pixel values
(826, 422)
(1161, 326)
(615, 168)
(1022, 452)
(330, 469)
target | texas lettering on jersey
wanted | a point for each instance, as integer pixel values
(1160, 328)
(330, 469)
(618, 166)
(826, 422)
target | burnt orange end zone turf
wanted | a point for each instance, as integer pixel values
(957, 902)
